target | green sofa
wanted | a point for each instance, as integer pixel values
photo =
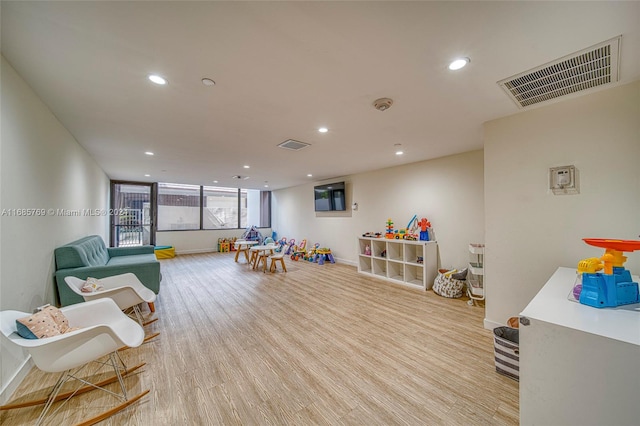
(89, 257)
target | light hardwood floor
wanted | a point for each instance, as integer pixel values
(315, 345)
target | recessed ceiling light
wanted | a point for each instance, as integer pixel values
(266, 186)
(157, 79)
(147, 175)
(309, 175)
(208, 82)
(245, 166)
(399, 152)
(215, 181)
(149, 153)
(323, 130)
(459, 63)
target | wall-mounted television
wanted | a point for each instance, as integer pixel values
(329, 197)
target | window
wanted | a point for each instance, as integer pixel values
(219, 208)
(256, 208)
(178, 207)
(193, 207)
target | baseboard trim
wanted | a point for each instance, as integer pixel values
(15, 380)
(197, 251)
(490, 325)
(346, 262)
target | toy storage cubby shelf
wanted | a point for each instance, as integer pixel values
(399, 264)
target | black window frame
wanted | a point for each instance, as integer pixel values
(201, 227)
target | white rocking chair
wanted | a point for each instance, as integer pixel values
(125, 289)
(103, 329)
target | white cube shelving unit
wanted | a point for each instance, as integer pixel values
(398, 261)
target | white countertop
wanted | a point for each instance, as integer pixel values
(552, 305)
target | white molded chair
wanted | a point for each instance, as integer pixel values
(103, 329)
(262, 253)
(279, 256)
(125, 289)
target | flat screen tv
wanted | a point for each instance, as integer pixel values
(330, 197)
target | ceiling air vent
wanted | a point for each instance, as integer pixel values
(589, 68)
(293, 145)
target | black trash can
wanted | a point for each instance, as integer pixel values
(507, 353)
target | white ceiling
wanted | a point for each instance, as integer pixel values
(283, 69)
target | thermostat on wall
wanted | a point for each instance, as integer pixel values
(563, 180)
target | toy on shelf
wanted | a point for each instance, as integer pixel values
(372, 235)
(367, 250)
(612, 287)
(389, 230)
(409, 233)
(424, 229)
(412, 228)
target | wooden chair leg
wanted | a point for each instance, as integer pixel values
(284, 268)
(152, 307)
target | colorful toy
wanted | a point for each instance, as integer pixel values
(367, 250)
(424, 229)
(298, 252)
(389, 233)
(225, 244)
(165, 252)
(614, 286)
(310, 255)
(252, 234)
(411, 230)
(372, 235)
(280, 244)
(323, 254)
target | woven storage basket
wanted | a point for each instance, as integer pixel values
(448, 287)
(507, 353)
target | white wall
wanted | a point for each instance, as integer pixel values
(43, 167)
(530, 231)
(447, 191)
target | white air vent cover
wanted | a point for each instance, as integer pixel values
(589, 68)
(293, 145)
